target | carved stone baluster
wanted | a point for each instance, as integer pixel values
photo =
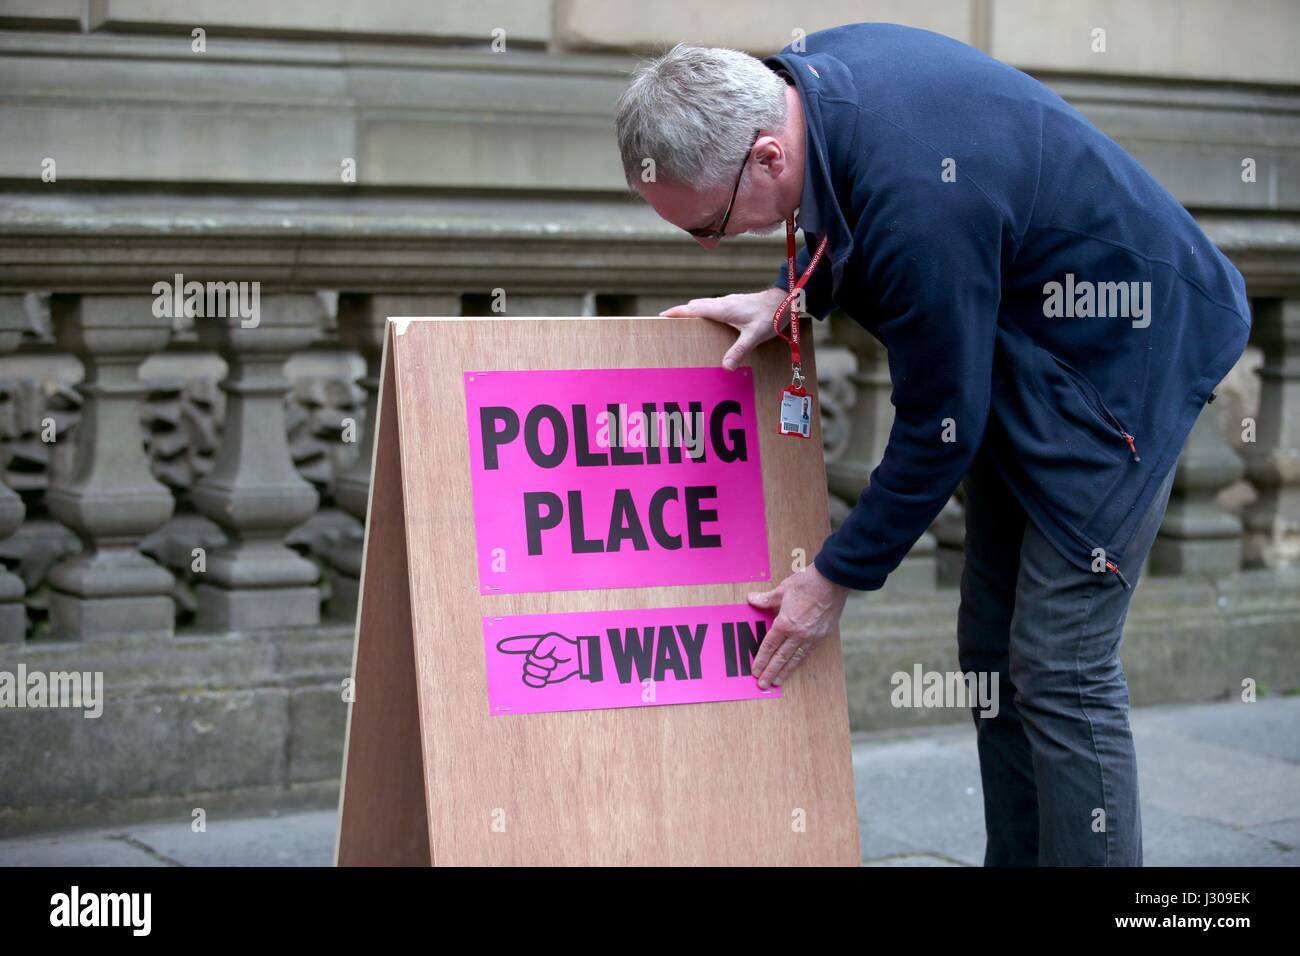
(524, 304)
(13, 615)
(872, 413)
(873, 416)
(253, 492)
(654, 304)
(949, 530)
(1273, 460)
(362, 320)
(110, 499)
(1197, 536)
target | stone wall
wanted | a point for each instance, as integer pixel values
(401, 157)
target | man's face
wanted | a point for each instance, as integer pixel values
(758, 207)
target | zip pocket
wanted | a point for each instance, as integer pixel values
(1091, 398)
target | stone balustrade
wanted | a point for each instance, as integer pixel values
(184, 501)
(261, 541)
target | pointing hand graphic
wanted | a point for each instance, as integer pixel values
(552, 658)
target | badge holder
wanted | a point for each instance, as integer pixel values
(796, 408)
(796, 401)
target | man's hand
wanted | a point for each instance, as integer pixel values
(750, 314)
(808, 608)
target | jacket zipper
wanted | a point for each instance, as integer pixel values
(1098, 406)
(1093, 401)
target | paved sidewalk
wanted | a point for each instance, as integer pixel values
(1220, 787)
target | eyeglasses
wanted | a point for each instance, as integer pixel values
(721, 231)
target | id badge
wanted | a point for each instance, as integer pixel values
(796, 412)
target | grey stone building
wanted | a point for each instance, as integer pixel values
(183, 501)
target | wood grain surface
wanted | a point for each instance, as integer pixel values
(383, 818)
(732, 783)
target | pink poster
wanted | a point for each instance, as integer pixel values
(614, 478)
(591, 660)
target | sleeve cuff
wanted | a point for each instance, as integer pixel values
(835, 570)
(814, 307)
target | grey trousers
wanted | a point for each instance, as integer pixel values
(1057, 762)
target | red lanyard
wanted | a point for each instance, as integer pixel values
(789, 301)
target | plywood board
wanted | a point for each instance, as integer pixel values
(729, 782)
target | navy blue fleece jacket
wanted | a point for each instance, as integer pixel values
(1034, 288)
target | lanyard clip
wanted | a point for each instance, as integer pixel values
(797, 381)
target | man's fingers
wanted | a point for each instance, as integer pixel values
(766, 599)
(776, 635)
(749, 337)
(737, 311)
(777, 662)
(719, 310)
(793, 663)
(696, 307)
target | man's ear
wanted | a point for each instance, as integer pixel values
(771, 157)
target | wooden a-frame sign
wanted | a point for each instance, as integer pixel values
(435, 772)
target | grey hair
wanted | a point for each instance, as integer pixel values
(693, 111)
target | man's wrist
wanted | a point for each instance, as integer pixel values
(828, 583)
(776, 296)
(831, 582)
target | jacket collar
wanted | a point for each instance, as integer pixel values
(807, 217)
(817, 75)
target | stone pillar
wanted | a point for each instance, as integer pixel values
(110, 498)
(362, 322)
(873, 416)
(654, 304)
(1197, 536)
(950, 534)
(521, 304)
(13, 614)
(1273, 460)
(254, 581)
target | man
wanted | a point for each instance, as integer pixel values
(1054, 322)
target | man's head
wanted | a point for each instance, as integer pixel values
(694, 112)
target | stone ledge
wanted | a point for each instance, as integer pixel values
(399, 19)
(113, 109)
(1185, 640)
(253, 723)
(390, 245)
(195, 663)
(126, 242)
(21, 821)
